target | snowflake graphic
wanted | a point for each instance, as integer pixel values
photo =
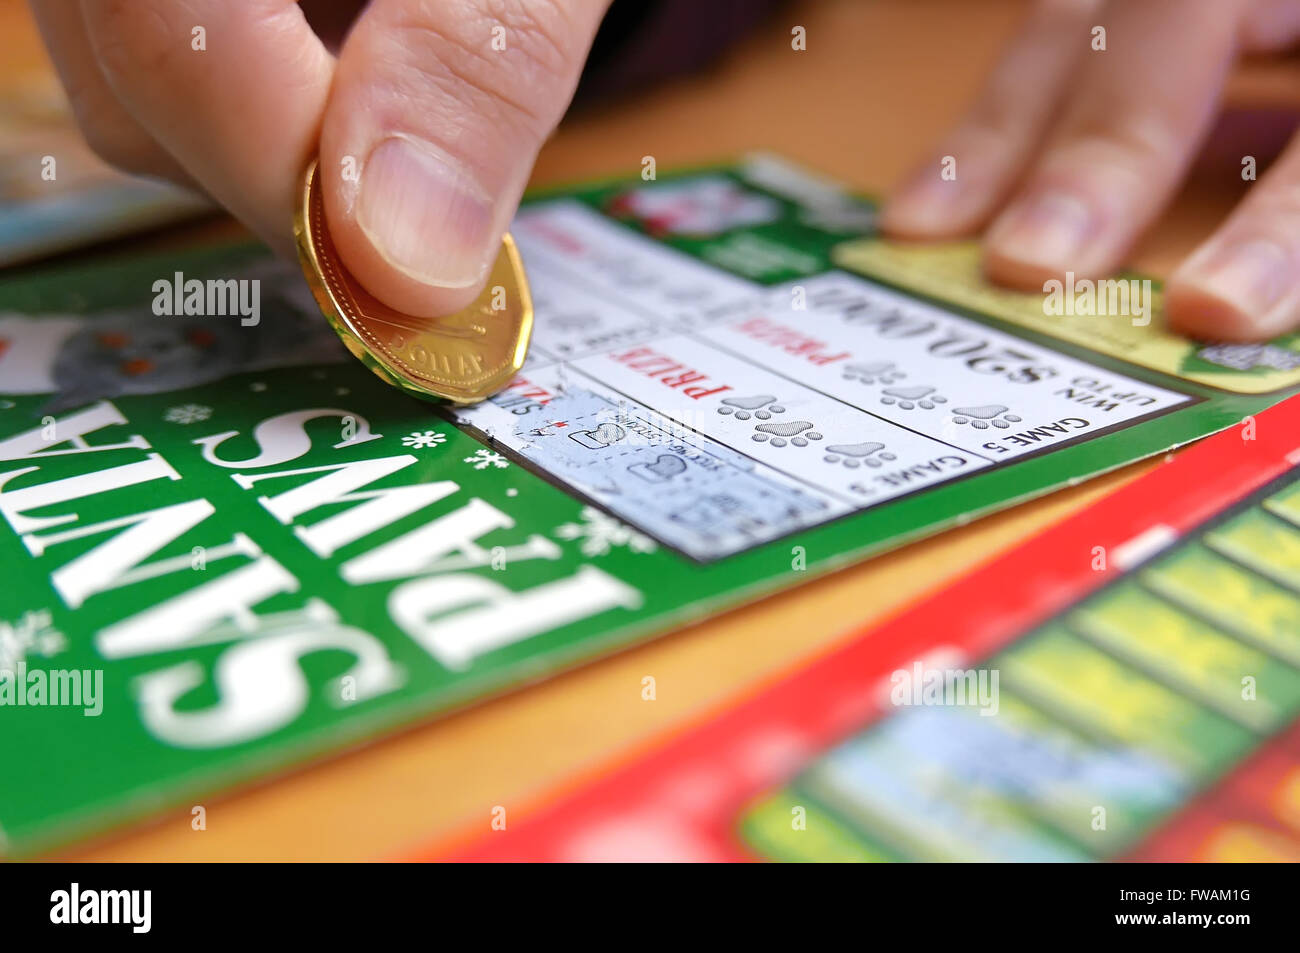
(33, 634)
(483, 459)
(187, 414)
(599, 533)
(427, 438)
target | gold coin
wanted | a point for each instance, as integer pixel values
(463, 357)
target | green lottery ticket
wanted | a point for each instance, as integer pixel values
(228, 548)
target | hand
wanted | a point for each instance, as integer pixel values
(441, 126)
(1091, 145)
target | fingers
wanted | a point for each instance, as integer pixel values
(234, 91)
(1140, 110)
(436, 117)
(1244, 282)
(1270, 26)
(108, 128)
(995, 140)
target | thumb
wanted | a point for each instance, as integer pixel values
(436, 116)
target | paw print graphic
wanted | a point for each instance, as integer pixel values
(762, 406)
(854, 455)
(909, 398)
(985, 416)
(880, 372)
(796, 432)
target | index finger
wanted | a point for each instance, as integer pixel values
(235, 91)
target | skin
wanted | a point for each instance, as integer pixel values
(1068, 154)
(427, 134)
(440, 128)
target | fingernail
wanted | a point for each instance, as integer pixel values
(1051, 229)
(1252, 276)
(425, 215)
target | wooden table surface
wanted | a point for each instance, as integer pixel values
(876, 87)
